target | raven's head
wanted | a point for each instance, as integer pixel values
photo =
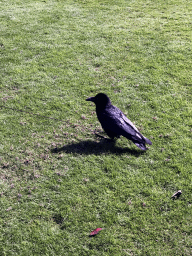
(101, 100)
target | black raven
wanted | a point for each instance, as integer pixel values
(115, 123)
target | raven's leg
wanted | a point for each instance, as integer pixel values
(111, 134)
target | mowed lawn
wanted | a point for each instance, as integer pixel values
(58, 180)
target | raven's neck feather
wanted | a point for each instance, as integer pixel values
(101, 107)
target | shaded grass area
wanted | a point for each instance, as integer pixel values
(58, 181)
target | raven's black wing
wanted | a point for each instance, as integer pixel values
(137, 133)
(111, 118)
(115, 123)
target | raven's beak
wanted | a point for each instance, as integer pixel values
(91, 99)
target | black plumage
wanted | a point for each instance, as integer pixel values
(115, 123)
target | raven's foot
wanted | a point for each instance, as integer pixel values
(101, 136)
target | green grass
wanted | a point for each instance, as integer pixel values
(55, 54)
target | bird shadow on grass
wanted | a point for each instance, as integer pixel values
(88, 147)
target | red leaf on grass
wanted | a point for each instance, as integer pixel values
(95, 232)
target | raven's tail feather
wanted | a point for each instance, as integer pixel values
(148, 141)
(139, 145)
